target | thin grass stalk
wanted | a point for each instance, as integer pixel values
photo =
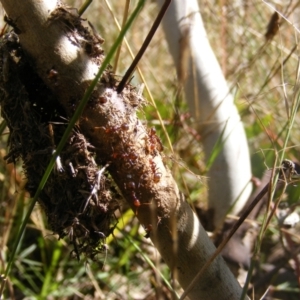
(260, 236)
(125, 16)
(49, 274)
(84, 7)
(153, 267)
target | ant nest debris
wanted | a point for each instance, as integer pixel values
(78, 198)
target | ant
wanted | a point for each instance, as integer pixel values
(113, 129)
(154, 142)
(148, 230)
(102, 99)
(136, 202)
(53, 76)
(156, 175)
(129, 158)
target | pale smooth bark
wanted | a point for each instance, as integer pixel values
(212, 107)
(177, 233)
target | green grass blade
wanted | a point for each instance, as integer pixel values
(47, 286)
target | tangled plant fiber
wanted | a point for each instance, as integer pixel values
(77, 199)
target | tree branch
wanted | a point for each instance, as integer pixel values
(212, 107)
